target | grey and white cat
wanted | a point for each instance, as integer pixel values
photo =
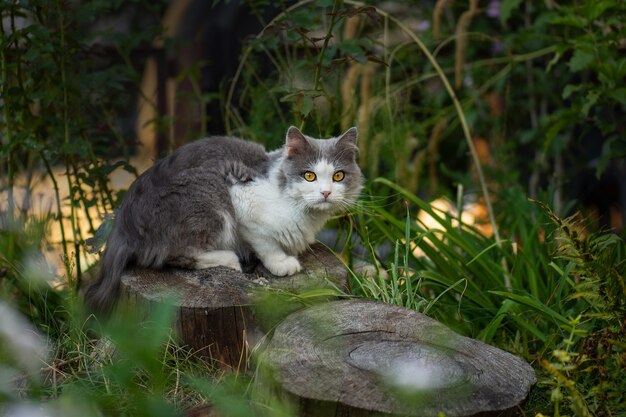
(223, 201)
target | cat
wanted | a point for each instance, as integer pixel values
(225, 201)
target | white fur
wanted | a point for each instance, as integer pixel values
(229, 233)
(280, 226)
(217, 257)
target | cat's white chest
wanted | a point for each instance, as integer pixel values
(262, 209)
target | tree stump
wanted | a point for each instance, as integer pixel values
(214, 315)
(360, 358)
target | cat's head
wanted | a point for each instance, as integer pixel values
(322, 174)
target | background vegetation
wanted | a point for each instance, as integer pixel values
(510, 109)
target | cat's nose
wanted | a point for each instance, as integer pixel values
(325, 194)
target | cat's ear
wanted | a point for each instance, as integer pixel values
(348, 141)
(296, 143)
(350, 136)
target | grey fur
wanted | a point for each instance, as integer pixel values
(181, 204)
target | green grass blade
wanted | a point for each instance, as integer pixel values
(407, 274)
(487, 334)
(536, 305)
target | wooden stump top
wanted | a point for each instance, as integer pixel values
(223, 287)
(369, 357)
(204, 288)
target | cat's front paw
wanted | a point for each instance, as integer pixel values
(284, 265)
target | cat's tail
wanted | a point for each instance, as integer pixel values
(101, 296)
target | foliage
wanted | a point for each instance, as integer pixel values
(595, 267)
(61, 97)
(530, 81)
(135, 369)
(564, 311)
(592, 38)
(26, 277)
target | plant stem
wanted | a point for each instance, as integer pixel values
(66, 141)
(242, 62)
(533, 113)
(464, 125)
(57, 195)
(329, 34)
(84, 200)
(105, 192)
(317, 78)
(7, 119)
(476, 64)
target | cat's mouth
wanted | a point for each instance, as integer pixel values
(323, 205)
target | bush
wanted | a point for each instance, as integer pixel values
(525, 91)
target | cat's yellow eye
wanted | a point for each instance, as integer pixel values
(339, 176)
(309, 176)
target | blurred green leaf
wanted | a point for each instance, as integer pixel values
(571, 88)
(590, 100)
(581, 59)
(307, 105)
(537, 305)
(598, 8)
(570, 19)
(507, 7)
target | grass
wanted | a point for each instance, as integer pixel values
(546, 287)
(566, 319)
(567, 288)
